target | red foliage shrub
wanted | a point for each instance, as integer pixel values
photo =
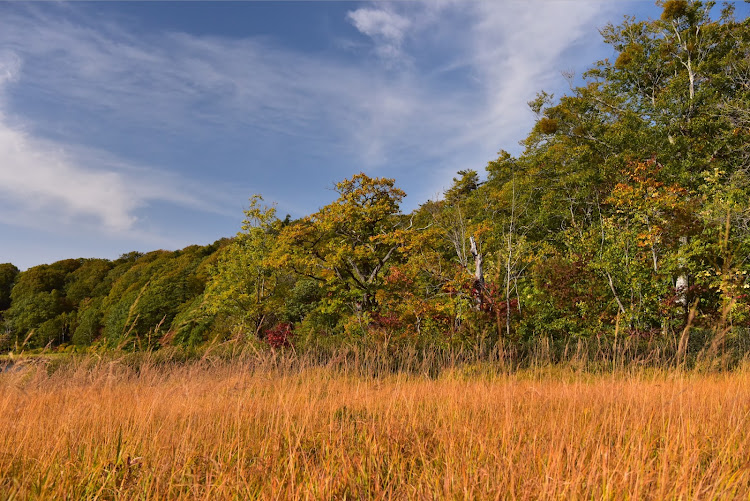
(389, 321)
(280, 335)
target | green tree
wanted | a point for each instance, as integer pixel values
(347, 244)
(245, 283)
(150, 293)
(8, 274)
(37, 297)
(88, 281)
(462, 186)
(89, 322)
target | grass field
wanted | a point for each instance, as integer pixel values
(231, 430)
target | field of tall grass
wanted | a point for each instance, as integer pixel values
(242, 429)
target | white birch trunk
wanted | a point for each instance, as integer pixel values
(478, 262)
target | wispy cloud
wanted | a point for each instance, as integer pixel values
(50, 185)
(499, 55)
(386, 28)
(45, 184)
(10, 66)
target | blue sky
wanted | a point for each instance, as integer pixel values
(146, 125)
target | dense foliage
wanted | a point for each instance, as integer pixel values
(627, 214)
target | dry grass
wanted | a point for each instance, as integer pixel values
(228, 431)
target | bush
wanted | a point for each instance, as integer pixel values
(280, 336)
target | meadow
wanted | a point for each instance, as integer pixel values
(280, 429)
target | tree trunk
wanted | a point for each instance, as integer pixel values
(681, 284)
(478, 271)
(478, 262)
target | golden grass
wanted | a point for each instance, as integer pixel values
(228, 431)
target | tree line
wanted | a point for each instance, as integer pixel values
(627, 214)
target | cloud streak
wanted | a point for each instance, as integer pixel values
(49, 185)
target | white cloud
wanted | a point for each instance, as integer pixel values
(10, 66)
(519, 46)
(48, 185)
(378, 23)
(386, 28)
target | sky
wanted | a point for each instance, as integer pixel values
(147, 125)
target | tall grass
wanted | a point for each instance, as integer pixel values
(280, 428)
